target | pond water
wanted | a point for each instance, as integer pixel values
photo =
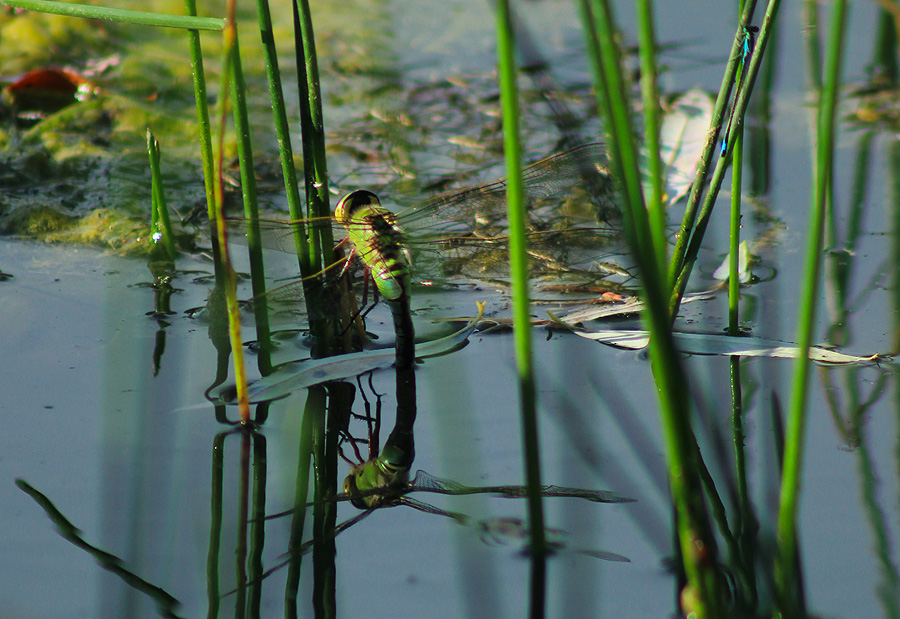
(104, 405)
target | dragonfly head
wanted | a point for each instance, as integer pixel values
(353, 202)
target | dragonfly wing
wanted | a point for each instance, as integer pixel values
(276, 234)
(550, 251)
(585, 167)
(465, 232)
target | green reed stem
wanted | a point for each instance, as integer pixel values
(515, 199)
(652, 122)
(240, 550)
(325, 509)
(160, 221)
(251, 210)
(312, 127)
(315, 408)
(737, 168)
(884, 58)
(324, 323)
(785, 566)
(759, 142)
(697, 542)
(734, 282)
(282, 131)
(215, 525)
(257, 525)
(709, 152)
(745, 522)
(140, 18)
(203, 127)
(683, 260)
(234, 321)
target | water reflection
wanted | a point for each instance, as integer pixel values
(241, 481)
(371, 482)
(330, 431)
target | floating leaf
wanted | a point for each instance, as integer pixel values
(631, 305)
(296, 375)
(719, 344)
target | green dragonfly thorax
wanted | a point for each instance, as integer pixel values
(378, 239)
(375, 482)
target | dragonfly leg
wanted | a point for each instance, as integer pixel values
(348, 259)
(366, 294)
(367, 406)
(350, 312)
(356, 320)
(372, 386)
(373, 424)
(349, 439)
(375, 429)
(362, 312)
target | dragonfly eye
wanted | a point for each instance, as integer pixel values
(354, 201)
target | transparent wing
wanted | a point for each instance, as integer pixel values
(463, 232)
(583, 169)
(426, 482)
(276, 234)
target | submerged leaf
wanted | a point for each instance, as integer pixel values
(683, 137)
(744, 260)
(718, 344)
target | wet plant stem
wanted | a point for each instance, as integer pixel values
(140, 18)
(215, 524)
(315, 408)
(324, 325)
(515, 199)
(160, 223)
(708, 157)
(282, 130)
(737, 154)
(203, 126)
(734, 287)
(745, 521)
(234, 322)
(251, 209)
(703, 596)
(240, 551)
(652, 122)
(686, 252)
(786, 560)
(312, 128)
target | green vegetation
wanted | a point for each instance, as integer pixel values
(85, 142)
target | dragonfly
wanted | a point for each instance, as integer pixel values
(749, 36)
(463, 232)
